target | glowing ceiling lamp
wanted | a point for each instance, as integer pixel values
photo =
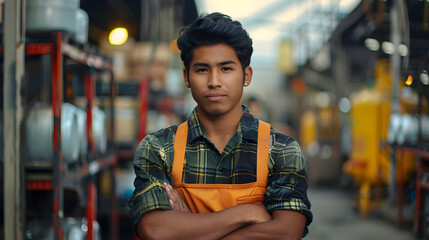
(409, 80)
(372, 44)
(118, 36)
(424, 77)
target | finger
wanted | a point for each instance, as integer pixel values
(169, 191)
(176, 201)
(166, 186)
(172, 193)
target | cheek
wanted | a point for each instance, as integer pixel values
(195, 79)
(195, 95)
(196, 84)
(236, 84)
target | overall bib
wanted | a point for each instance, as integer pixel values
(205, 198)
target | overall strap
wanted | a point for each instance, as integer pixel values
(263, 152)
(179, 152)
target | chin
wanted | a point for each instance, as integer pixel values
(214, 111)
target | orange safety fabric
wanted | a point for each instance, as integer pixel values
(205, 198)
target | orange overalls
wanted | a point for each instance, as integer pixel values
(204, 198)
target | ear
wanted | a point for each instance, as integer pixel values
(248, 73)
(185, 78)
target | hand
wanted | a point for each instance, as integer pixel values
(176, 201)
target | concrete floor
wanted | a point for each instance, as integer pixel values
(335, 218)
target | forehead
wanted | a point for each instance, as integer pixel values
(214, 54)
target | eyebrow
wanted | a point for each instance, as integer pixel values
(202, 64)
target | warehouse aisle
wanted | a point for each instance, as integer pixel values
(336, 219)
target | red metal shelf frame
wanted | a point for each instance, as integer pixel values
(56, 49)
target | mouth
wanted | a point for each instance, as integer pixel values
(215, 97)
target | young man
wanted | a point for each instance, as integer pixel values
(222, 174)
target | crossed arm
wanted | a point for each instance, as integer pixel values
(245, 221)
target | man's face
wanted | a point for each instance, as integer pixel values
(216, 80)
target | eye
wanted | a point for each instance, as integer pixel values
(201, 70)
(226, 69)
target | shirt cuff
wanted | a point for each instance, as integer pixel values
(142, 202)
(293, 204)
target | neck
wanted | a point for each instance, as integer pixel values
(220, 129)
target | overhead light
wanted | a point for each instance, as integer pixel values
(372, 44)
(118, 36)
(403, 50)
(388, 47)
(409, 80)
(424, 77)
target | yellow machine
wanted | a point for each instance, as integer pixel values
(369, 161)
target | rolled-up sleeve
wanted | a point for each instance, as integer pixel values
(288, 181)
(150, 169)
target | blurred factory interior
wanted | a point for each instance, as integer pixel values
(84, 81)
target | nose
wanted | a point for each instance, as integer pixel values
(215, 79)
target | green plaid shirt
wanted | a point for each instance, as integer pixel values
(153, 161)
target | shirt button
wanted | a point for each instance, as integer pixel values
(220, 169)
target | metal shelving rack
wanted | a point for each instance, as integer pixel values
(59, 174)
(420, 151)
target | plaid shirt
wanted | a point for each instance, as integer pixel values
(153, 161)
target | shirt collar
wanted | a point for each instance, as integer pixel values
(247, 129)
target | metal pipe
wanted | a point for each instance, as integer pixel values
(395, 71)
(14, 52)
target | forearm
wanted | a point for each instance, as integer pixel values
(258, 231)
(287, 225)
(182, 225)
